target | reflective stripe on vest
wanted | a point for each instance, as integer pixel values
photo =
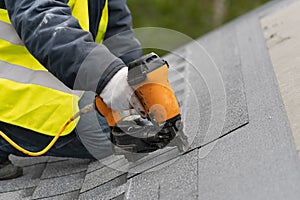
(30, 96)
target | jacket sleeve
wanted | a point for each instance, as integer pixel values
(54, 37)
(119, 37)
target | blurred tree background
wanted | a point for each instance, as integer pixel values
(191, 17)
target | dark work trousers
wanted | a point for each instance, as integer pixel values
(89, 140)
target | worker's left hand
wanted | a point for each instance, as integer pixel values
(118, 95)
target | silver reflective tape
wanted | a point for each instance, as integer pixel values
(28, 76)
(8, 33)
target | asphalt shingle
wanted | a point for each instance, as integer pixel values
(178, 180)
(28, 180)
(177, 71)
(227, 87)
(64, 168)
(58, 186)
(96, 165)
(109, 190)
(28, 161)
(65, 196)
(24, 194)
(152, 160)
(258, 161)
(104, 176)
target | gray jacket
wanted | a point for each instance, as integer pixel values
(69, 52)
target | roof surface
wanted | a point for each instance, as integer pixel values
(250, 156)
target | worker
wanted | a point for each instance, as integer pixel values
(51, 51)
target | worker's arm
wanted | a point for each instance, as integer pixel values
(119, 37)
(57, 41)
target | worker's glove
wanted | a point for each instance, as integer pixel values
(118, 95)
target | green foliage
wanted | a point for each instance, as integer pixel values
(191, 17)
(239, 7)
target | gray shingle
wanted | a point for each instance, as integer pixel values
(177, 71)
(64, 168)
(108, 190)
(58, 186)
(179, 180)
(152, 160)
(209, 75)
(17, 195)
(104, 175)
(258, 161)
(67, 196)
(30, 179)
(56, 159)
(115, 193)
(223, 50)
(95, 165)
(120, 197)
(28, 161)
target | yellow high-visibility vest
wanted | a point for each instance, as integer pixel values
(30, 96)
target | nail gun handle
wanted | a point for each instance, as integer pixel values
(111, 116)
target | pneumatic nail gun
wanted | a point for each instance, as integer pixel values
(160, 123)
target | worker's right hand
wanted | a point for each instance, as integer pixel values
(118, 95)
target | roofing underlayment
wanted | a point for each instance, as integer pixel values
(234, 110)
